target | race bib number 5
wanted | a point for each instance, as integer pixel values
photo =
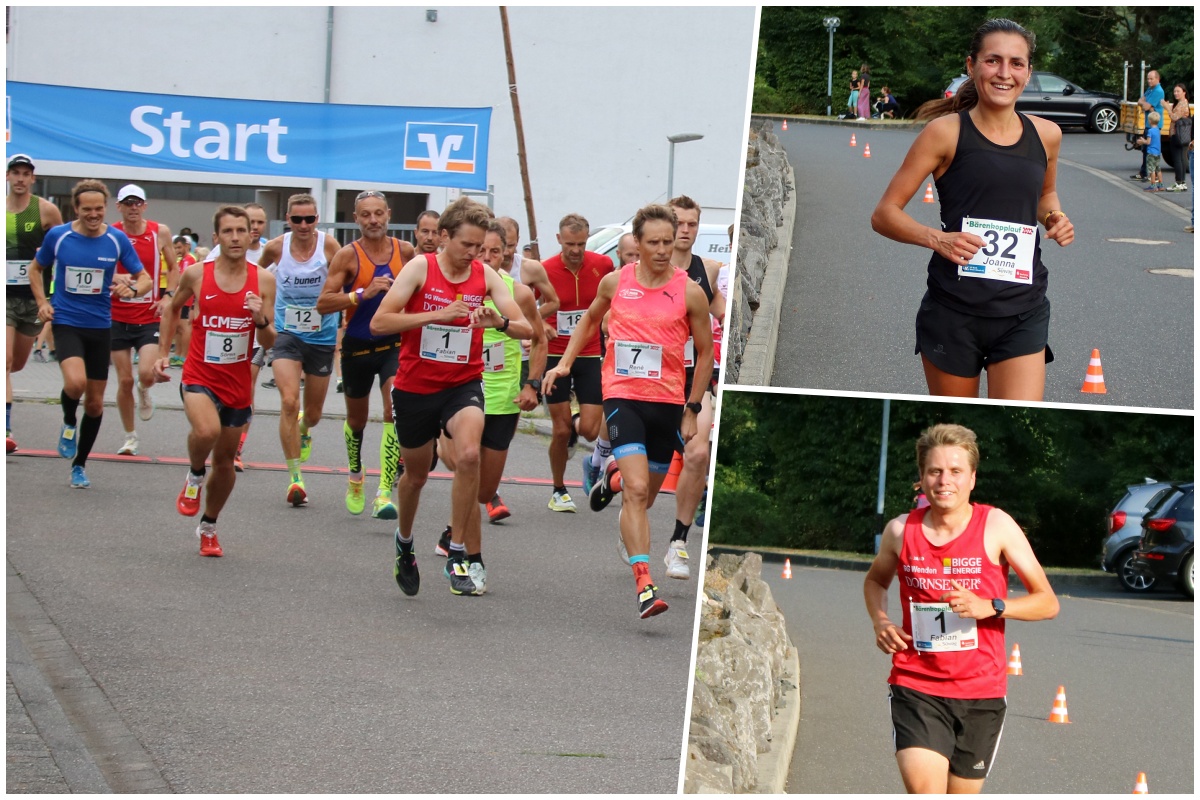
(446, 343)
(937, 629)
(221, 347)
(85, 280)
(17, 273)
(638, 360)
(1007, 252)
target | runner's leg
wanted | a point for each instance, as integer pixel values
(1019, 378)
(946, 385)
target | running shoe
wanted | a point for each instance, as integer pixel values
(39, 356)
(356, 501)
(52, 356)
(442, 548)
(305, 442)
(574, 437)
(1141, 178)
(237, 463)
(66, 441)
(341, 389)
(676, 560)
(145, 404)
(131, 445)
(79, 479)
(591, 474)
(478, 577)
(648, 602)
(176, 361)
(561, 501)
(209, 546)
(1178, 187)
(700, 509)
(602, 493)
(496, 510)
(408, 577)
(188, 503)
(296, 494)
(10, 444)
(460, 578)
(269, 384)
(384, 508)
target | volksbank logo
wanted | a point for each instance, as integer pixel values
(440, 147)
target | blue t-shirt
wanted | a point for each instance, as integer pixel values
(83, 272)
(1155, 146)
(1154, 96)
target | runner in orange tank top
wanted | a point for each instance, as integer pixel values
(654, 307)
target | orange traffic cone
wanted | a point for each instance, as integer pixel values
(928, 193)
(1140, 787)
(787, 569)
(867, 151)
(853, 141)
(785, 124)
(1059, 712)
(672, 478)
(1093, 382)
(1014, 661)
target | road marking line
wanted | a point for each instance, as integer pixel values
(1136, 191)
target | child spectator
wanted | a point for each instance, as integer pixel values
(1152, 141)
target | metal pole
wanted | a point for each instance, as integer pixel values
(521, 159)
(1142, 91)
(329, 211)
(1125, 88)
(670, 170)
(829, 83)
(883, 446)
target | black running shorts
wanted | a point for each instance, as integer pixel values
(230, 417)
(90, 344)
(964, 344)
(419, 418)
(585, 378)
(499, 430)
(315, 359)
(639, 427)
(130, 336)
(363, 362)
(967, 732)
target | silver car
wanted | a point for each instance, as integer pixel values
(1124, 531)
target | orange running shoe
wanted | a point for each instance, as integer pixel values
(189, 497)
(209, 546)
(496, 510)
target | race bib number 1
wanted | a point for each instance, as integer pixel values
(17, 273)
(1007, 252)
(493, 357)
(221, 347)
(568, 320)
(638, 360)
(446, 343)
(85, 280)
(301, 318)
(937, 629)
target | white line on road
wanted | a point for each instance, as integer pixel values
(1136, 191)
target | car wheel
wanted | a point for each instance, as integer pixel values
(1133, 578)
(1187, 576)
(1104, 119)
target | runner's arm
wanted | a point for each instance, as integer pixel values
(528, 399)
(717, 306)
(391, 317)
(1049, 213)
(142, 283)
(698, 309)
(186, 288)
(889, 637)
(518, 327)
(271, 253)
(265, 335)
(533, 275)
(51, 216)
(1041, 602)
(334, 297)
(36, 285)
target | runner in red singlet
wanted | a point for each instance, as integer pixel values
(948, 666)
(233, 307)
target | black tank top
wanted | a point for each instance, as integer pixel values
(699, 274)
(23, 237)
(991, 181)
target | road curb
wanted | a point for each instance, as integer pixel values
(858, 123)
(774, 766)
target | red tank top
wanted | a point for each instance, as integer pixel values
(438, 356)
(949, 657)
(140, 310)
(222, 339)
(576, 291)
(647, 329)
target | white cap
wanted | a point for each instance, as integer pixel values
(131, 190)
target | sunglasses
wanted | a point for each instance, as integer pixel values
(133, 202)
(369, 193)
(308, 220)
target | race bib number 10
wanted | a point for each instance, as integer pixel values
(446, 343)
(85, 280)
(17, 273)
(1007, 252)
(638, 360)
(937, 629)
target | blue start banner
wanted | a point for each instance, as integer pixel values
(367, 144)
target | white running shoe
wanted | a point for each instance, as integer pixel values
(145, 404)
(478, 574)
(130, 447)
(561, 501)
(676, 560)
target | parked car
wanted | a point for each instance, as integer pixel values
(1057, 99)
(712, 241)
(1124, 533)
(1168, 538)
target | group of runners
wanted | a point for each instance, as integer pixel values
(460, 334)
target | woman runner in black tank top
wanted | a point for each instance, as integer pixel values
(996, 175)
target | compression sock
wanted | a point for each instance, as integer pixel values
(475, 558)
(293, 466)
(602, 451)
(354, 440)
(70, 407)
(87, 437)
(389, 459)
(641, 570)
(681, 531)
(8, 416)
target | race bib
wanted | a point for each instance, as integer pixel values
(17, 273)
(689, 353)
(1007, 252)
(493, 357)
(446, 343)
(937, 629)
(638, 360)
(568, 320)
(85, 280)
(304, 319)
(221, 347)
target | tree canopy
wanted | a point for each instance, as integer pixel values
(917, 50)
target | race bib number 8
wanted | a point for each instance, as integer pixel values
(1007, 252)
(493, 357)
(446, 343)
(17, 273)
(937, 629)
(301, 318)
(85, 280)
(568, 320)
(221, 347)
(638, 360)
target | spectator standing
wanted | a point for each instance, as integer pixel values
(1150, 101)
(1152, 148)
(864, 91)
(1181, 136)
(852, 103)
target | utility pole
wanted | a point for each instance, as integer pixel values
(521, 159)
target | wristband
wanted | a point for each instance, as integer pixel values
(167, 293)
(504, 327)
(266, 324)
(1049, 214)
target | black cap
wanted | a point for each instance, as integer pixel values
(20, 160)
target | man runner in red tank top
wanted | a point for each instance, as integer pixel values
(948, 666)
(234, 303)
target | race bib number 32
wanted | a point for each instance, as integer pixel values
(446, 343)
(1007, 252)
(937, 629)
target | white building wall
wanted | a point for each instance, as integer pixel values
(600, 88)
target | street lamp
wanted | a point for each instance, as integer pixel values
(831, 25)
(674, 140)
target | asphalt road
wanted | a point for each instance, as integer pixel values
(295, 664)
(1126, 664)
(852, 295)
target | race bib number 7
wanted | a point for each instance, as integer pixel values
(1007, 252)
(937, 629)
(638, 360)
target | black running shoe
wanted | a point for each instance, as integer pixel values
(602, 493)
(461, 581)
(442, 548)
(408, 577)
(648, 602)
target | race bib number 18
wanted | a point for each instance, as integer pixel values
(1007, 252)
(937, 629)
(568, 320)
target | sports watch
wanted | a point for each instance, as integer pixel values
(695, 408)
(998, 605)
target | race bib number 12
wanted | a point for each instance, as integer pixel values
(1007, 252)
